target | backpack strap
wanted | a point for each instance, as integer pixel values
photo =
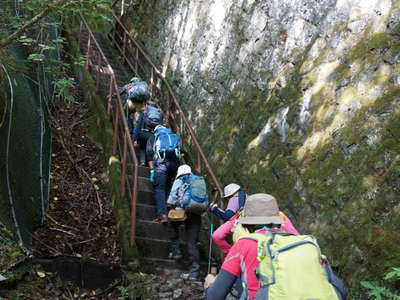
(242, 199)
(157, 152)
(263, 249)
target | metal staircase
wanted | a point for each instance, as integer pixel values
(107, 61)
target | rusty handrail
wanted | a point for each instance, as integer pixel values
(155, 72)
(122, 143)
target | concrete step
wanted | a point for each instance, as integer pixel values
(157, 248)
(153, 248)
(145, 198)
(149, 264)
(144, 184)
(152, 229)
(142, 171)
(145, 212)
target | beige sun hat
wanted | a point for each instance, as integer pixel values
(231, 189)
(260, 209)
(183, 170)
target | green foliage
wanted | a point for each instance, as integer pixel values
(36, 57)
(42, 42)
(62, 86)
(379, 292)
(80, 60)
(9, 250)
(124, 292)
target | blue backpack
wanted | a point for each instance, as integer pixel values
(167, 145)
(195, 199)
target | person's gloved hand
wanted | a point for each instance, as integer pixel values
(152, 176)
(210, 278)
(213, 206)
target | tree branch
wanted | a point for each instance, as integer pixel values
(5, 42)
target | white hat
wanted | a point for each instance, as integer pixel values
(183, 170)
(231, 189)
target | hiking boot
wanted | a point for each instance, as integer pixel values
(194, 272)
(161, 219)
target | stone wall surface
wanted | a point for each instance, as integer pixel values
(299, 99)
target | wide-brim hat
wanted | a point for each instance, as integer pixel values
(135, 79)
(260, 209)
(231, 189)
(183, 170)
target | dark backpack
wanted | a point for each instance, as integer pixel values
(138, 91)
(152, 117)
(167, 145)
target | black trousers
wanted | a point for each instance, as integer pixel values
(192, 228)
(143, 136)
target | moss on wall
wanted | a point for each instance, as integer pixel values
(316, 125)
(100, 131)
(121, 208)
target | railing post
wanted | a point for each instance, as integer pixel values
(115, 134)
(124, 44)
(137, 61)
(110, 95)
(152, 81)
(113, 32)
(88, 51)
(181, 124)
(133, 205)
(168, 105)
(122, 7)
(198, 163)
(123, 163)
(80, 34)
(98, 69)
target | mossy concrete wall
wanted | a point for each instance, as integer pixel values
(299, 99)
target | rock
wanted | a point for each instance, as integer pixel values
(177, 293)
(165, 295)
(165, 288)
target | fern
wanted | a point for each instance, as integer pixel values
(379, 292)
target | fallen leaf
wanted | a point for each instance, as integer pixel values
(40, 274)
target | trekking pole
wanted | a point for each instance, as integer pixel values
(210, 246)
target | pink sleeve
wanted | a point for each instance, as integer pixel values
(223, 231)
(288, 226)
(232, 261)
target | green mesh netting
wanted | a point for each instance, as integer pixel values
(25, 140)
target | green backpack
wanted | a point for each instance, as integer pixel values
(290, 268)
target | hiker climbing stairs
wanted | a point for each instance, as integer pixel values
(152, 237)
